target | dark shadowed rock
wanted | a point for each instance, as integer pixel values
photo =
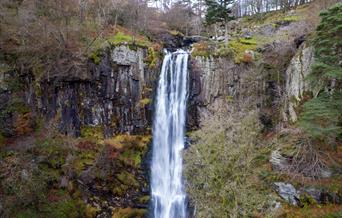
(321, 196)
(113, 95)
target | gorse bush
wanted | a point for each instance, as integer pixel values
(321, 117)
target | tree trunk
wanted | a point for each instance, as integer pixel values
(226, 33)
(215, 30)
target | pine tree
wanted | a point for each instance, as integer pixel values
(219, 11)
(322, 115)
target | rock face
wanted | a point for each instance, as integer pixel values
(219, 82)
(274, 86)
(296, 85)
(113, 95)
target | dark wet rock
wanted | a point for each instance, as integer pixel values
(287, 192)
(7, 118)
(188, 40)
(320, 195)
(300, 40)
(172, 41)
(188, 141)
(109, 96)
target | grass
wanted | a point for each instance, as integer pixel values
(129, 213)
(272, 17)
(292, 18)
(314, 211)
(236, 48)
(92, 133)
(124, 38)
(201, 49)
(240, 46)
(222, 166)
(116, 37)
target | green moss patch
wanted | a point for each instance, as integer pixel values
(92, 133)
(240, 46)
(123, 38)
(128, 179)
(145, 101)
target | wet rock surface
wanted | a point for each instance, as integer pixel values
(114, 95)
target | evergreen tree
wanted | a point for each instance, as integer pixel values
(219, 11)
(322, 115)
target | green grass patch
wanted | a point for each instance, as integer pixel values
(67, 208)
(251, 41)
(122, 38)
(240, 46)
(92, 132)
(292, 18)
(152, 58)
(128, 179)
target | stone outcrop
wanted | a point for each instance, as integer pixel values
(219, 82)
(296, 84)
(274, 87)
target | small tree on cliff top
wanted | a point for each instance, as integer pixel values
(219, 11)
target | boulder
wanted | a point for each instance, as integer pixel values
(288, 192)
(321, 196)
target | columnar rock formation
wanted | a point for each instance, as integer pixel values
(114, 95)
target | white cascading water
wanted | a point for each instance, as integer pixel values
(168, 195)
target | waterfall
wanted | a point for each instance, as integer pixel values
(168, 195)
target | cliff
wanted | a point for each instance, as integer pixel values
(114, 94)
(86, 135)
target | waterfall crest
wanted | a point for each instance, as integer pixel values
(168, 195)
